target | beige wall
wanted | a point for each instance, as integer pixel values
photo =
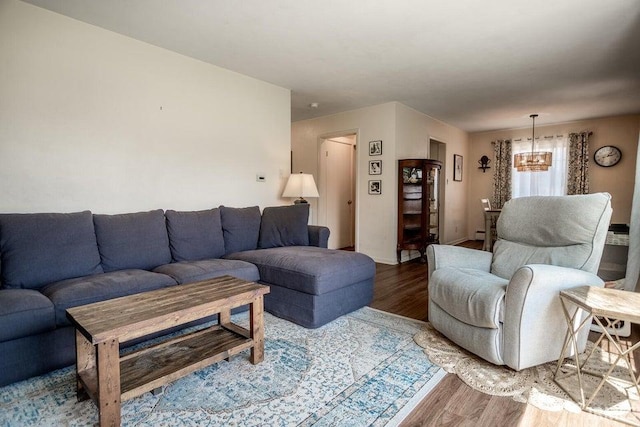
(404, 133)
(618, 180)
(90, 119)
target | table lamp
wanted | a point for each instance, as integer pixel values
(300, 185)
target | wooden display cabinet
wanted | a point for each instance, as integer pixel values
(418, 204)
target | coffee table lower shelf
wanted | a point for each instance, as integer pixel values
(150, 368)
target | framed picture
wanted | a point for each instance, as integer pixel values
(375, 148)
(457, 167)
(375, 187)
(375, 167)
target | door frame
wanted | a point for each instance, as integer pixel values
(356, 179)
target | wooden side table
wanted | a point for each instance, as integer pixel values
(607, 307)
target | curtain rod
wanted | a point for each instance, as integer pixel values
(540, 137)
(589, 133)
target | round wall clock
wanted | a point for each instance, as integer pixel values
(607, 156)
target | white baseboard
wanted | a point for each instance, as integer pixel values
(455, 242)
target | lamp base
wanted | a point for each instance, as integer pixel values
(300, 201)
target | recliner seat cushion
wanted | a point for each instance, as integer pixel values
(195, 235)
(193, 271)
(309, 269)
(39, 248)
(472, 296)
(100, 287)
(24, 312)
(134, 240)
(284, 226)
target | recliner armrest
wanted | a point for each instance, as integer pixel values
(318, 236)
(534, 324)
(440, 256)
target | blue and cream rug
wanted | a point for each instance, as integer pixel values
(363, 369)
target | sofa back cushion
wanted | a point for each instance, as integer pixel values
(133, 240)
(195, 235)
(284, 226)
(42, 248)
(241, 228)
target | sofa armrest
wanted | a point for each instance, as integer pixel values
(318, 236)
(440, 256)
(534, 324)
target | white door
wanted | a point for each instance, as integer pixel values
(337, 192)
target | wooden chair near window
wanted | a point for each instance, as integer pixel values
(490, 219)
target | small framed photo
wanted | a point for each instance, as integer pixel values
(375, 167)
(457, 167)
(375, 148)
(375, 187)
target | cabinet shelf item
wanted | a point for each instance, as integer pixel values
(418, 204)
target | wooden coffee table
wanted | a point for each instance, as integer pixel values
(109, 378)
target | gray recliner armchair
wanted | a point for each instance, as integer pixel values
(504, 306)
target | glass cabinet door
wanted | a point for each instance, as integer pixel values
(412, 203)
(418, 204)
(433, 186)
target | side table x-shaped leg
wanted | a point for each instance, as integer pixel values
(608, 308)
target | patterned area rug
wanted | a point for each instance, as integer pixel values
(363, 369)
(535, 385)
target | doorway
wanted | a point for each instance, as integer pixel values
(337, 179)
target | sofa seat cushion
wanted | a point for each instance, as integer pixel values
(24, 312)
(39, 248)
(472, 296)
(100, 287)
(193, 271)
(309, 269)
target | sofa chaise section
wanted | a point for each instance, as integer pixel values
(310, 286)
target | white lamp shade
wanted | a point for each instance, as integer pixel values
(301, 185)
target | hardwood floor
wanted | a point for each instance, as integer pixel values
(402, 289)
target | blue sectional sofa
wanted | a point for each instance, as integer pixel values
(52, 261)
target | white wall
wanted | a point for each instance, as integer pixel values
(90, 119)
(621, 131)
(404, 133)
(375, 226)
(414, 129)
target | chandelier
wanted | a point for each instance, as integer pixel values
(534, 161)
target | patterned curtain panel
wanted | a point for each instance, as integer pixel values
(578, 176)
(501, 172)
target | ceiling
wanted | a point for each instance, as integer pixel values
(477, 65)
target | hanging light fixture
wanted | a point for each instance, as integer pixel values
(534, 161)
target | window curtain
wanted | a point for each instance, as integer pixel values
(501, 172)
(578, 176)
(632, 278)
(543, 183)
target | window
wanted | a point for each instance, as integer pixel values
(549, 183)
